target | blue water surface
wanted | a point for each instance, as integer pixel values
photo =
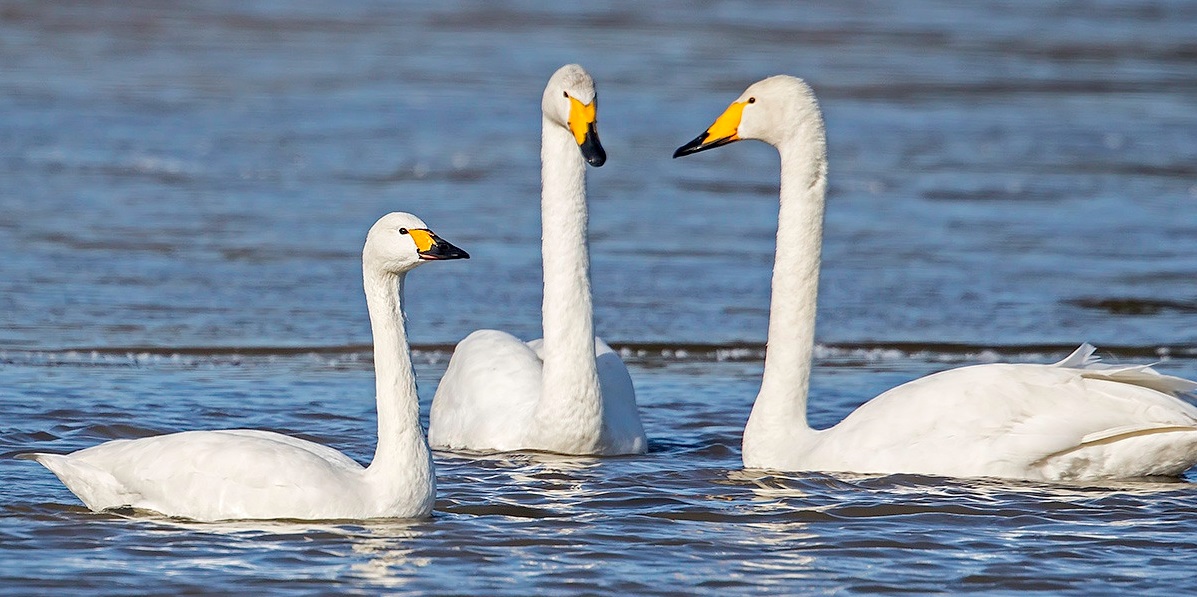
(185, 189)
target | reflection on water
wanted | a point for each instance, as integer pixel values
(387, 553)
(380, 553)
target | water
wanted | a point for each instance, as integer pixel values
(185, 192)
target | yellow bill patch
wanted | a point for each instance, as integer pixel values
(727, 126)
(581, 116)
(424, 239)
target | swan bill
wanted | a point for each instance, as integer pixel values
(434, 248)
(592, 150)
(698, 145)
(725, 130)
(583, 123)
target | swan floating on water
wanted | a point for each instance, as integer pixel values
(569, 392)
(1076, 419)
(252, 474)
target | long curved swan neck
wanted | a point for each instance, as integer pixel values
(779, 414)
(401, 444)
(570, 376)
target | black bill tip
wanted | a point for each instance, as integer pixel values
(592, 149)
(700, 143)
(442, 250)
(694, 146)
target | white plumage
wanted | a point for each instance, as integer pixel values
(1076, 419)
(568, 393)
(1072, 420)
(245, 474)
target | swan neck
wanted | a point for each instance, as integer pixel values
(402, 449)
(570, 385)
(779, 414)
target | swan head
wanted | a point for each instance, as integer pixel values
(398, 242)
(773, 110)
(570, 102)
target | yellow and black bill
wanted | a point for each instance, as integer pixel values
(725, 130)
(583, 123)
(434, 248)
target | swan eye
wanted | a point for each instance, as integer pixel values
(403, 231)
(752, 100)
(565, 94)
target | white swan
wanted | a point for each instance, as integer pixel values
(568, 393)
(1075, 419)
(245, 474)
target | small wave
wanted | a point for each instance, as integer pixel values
(798, 515)
(509, 510)
(894, 351)
(185, 356)
(163, 168)
(1133, 306)
(650, 353)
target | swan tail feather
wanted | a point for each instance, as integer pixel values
(1145, 376)
(1117, 433)
(1081, 357)
(1085, 359)
(1129, 451)
(95, 487)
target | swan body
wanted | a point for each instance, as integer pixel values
(568, 393)
(1076, 419)
(1070, 420)
(252, 474)
(504, 375)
